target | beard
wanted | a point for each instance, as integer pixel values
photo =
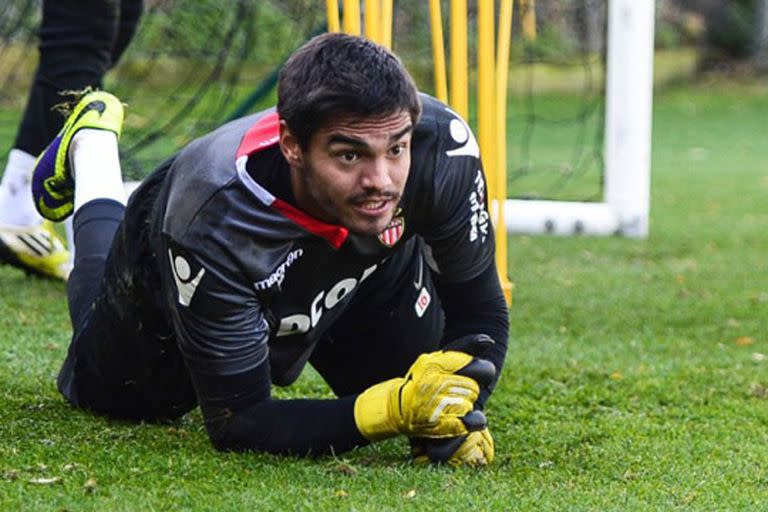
(316, 200)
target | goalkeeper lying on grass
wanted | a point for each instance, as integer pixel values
(347, 229)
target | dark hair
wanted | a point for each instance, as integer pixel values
(341, 74)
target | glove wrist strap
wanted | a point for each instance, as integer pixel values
(373, 415)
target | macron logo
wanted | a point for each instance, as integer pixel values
(182, 274)
(461, 133)
(276, 277)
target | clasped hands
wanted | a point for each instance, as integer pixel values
(434, 405)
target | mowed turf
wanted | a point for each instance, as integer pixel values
(636, 378)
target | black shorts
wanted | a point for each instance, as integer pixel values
(124, 361)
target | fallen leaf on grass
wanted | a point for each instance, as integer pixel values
(688, 498)
(758, 357)
(410, 494)
(10, 474)
(616, 376)
(90, 485)
(450, 483)
(341, 493)
(180, 432)
(732, 322)
(546, 464)
(758, 390)
(45, 481)
(629, 475)
(744, 341)
(345, 469)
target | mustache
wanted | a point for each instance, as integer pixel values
(377, 196)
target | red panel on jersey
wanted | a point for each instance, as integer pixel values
(336, 235)
(265, 133)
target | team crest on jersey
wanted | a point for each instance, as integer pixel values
(392, 233)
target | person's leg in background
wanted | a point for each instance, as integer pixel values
(79, 41)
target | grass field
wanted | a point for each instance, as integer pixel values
(636, 380)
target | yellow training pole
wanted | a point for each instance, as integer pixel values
(352, 17)
(438, 51)
(332, 8)
(485, 86)
(459, 67)
(386, 23)
(373, 20)
(528, 19)
(502, 73)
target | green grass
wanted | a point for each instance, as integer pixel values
(635, 380)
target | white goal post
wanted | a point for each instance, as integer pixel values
(629, 97)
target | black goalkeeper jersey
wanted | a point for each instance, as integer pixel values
(245, 276)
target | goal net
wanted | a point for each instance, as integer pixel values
(580, 120)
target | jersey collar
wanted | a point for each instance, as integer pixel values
(263, 134)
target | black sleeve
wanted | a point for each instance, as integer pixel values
(457, 226)
(291, 427)
(461, 241)
(222, 334)
(478, 306)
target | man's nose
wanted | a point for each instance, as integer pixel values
(376, 176)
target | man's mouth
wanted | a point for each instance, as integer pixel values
(373, 206)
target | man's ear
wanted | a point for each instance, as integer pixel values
(289, 146)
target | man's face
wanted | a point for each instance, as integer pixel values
(354, 171)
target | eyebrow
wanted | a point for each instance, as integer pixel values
(339, 138)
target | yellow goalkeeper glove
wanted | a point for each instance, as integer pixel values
(474, 449)
(431, 401)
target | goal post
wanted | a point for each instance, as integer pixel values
(625, 207)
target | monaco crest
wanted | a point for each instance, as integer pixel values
(392, 232)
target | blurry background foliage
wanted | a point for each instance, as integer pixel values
(189, 28)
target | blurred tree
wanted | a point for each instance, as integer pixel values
(737, 30)
(590, 24)
(761, 36)
(730, 30)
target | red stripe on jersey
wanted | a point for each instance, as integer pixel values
(264, 133)
(335, 235)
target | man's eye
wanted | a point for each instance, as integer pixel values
(397, 150)
(348, 156)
